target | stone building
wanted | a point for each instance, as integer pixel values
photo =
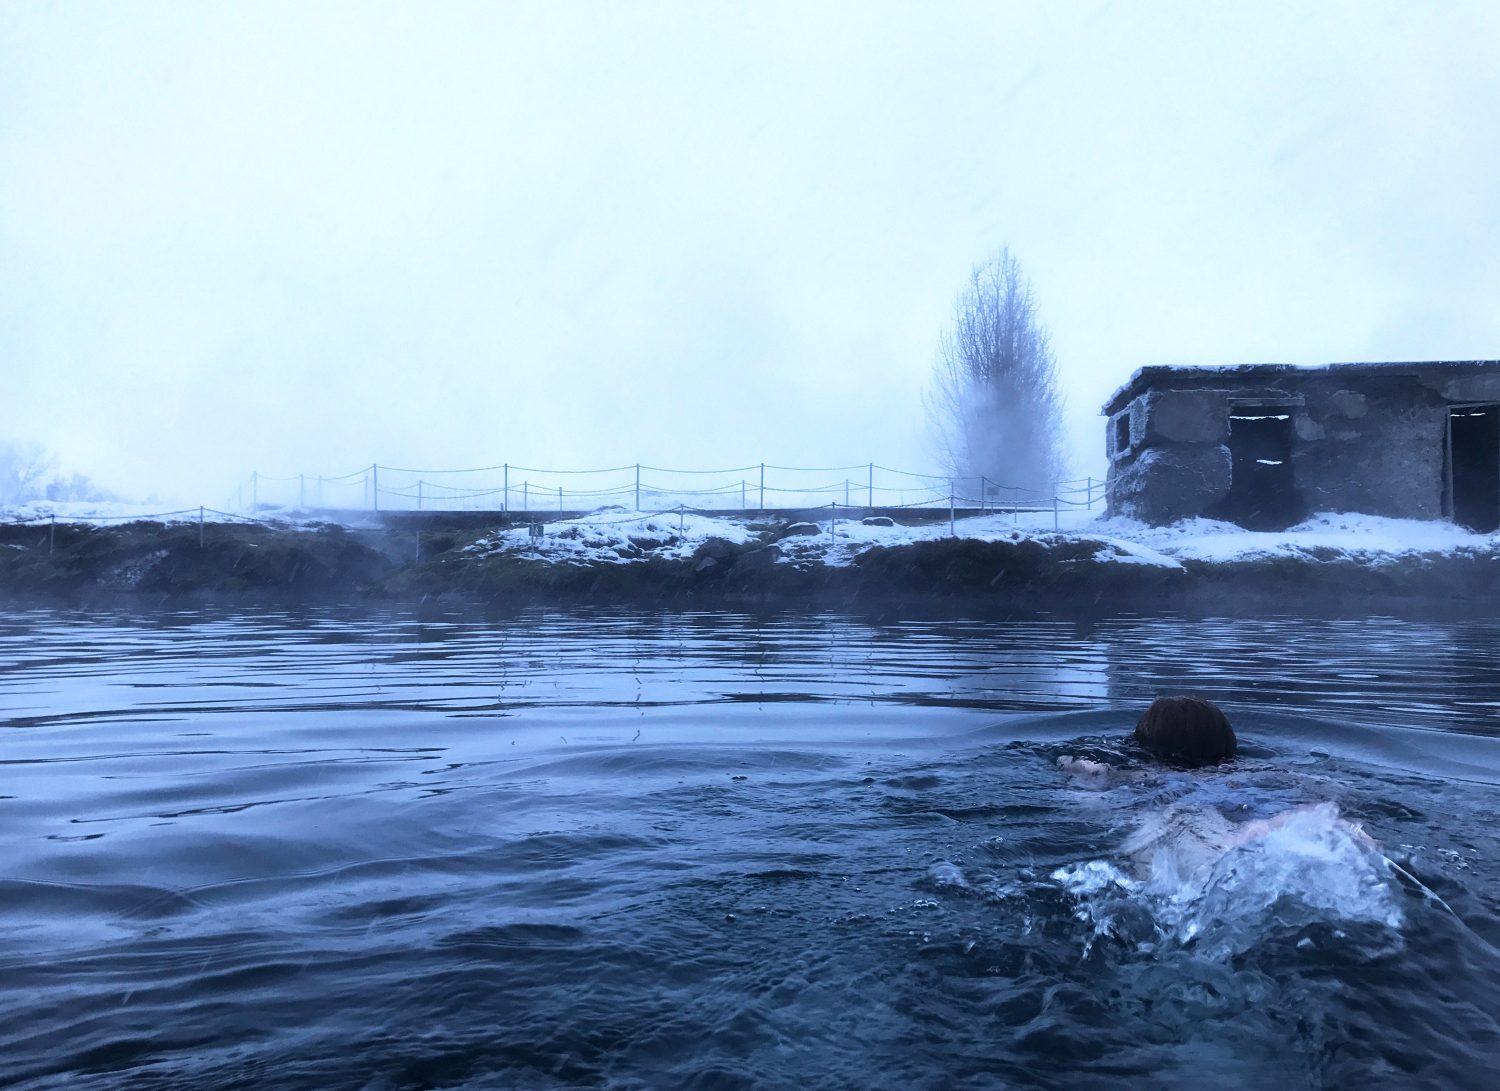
(1264, 445)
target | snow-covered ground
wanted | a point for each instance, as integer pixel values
(1322, 537)
(839, 543)
(617, 535)
(114, 512)
(91, 511)
(614, 535)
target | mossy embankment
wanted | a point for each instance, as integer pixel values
(180, 558)
(405, 561)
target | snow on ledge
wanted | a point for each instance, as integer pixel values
(850, 538)
(1325, 536)
(613, 535)
(118, 511)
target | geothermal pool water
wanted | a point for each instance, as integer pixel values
(331, 848)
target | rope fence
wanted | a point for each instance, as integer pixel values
(200, 516)
(510, 488)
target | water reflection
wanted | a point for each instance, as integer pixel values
(78, 666)
(1368, 670)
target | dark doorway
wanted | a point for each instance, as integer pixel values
(1262, 494)
(1474, 466)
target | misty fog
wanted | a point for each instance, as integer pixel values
(288, 238)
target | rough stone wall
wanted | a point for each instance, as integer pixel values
(1479, 385)
(1177, 462)
(1164, 484)
(1366, 443)
(1376, 446)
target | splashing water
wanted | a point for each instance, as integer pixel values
(1222, 888)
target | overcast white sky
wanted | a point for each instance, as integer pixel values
(311, 236)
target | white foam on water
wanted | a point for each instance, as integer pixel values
(1204, 882)
(944, 873)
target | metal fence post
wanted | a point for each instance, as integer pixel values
(526, 496)
(951, 532)
(559, 498)
(301, 491)
(762, 486)
(742, 494)
(984, 492)
(505, 497)
(637, 486)
(833, 518)
(1055, 525)
(419, 494)
(680, 531)
(870, 496)
(375, 486)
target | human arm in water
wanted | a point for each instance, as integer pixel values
(1096, 775)
(1082, 767)
(1260, 827)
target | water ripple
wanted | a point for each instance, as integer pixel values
(325, 848)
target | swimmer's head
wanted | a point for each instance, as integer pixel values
(1187, 731)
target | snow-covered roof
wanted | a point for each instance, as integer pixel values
(1199, 375)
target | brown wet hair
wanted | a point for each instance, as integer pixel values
(1186, 731)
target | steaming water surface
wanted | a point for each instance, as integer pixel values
(332, 849)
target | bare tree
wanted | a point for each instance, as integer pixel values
(994, 402)
(28, 472)
(24, 466)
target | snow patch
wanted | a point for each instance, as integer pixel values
(616, 535)
(838, 543)
(613, 535)
(1327, 536)
(103, 511)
